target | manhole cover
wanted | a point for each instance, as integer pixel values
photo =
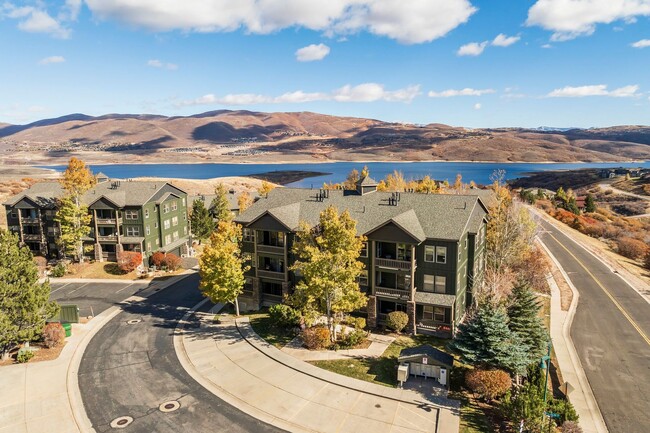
(121, 422)
(133, 321)
(169, 406)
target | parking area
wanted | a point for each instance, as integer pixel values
(94, 297)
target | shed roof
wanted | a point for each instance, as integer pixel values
(428, 350)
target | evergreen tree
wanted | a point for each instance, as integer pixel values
(523, 313)
(327, 258)
(221, 266)
(72, 215)
(24, 302)
(220, 206)
(201, 222)
(527, 405)
(485, 340)
(590, 203)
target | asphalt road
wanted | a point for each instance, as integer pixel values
(611, 331)
(130, 369)
(93, 298)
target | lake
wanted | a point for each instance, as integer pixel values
(479, 172)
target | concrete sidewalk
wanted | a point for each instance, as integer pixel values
(580, 393)
(379, 343)
(238, 366)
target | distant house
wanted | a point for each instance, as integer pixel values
(143, 216)
(423, 255)
(581, 202)
(233, 200)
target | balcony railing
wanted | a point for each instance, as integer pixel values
(31, 237)
(270, 274)
(106, 238)
(269, 249)
(393, 293)
(401, 265)
(111, 221)
(30, 220)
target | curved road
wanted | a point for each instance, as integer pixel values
(130, 369)
(611, 333)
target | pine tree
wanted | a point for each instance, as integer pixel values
(485, 340)
(24, 302)
(527, 405)
(220, 206)
(523, 313)
(327, 258)
(590, 203)
(221, 266)
(201, 222)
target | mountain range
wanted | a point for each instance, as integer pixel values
(242, 136)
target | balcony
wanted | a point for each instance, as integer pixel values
(31, 237)
(108, 221)
(270, 249)
(106, 238)
(270, 274)
(393, 293)
(30, 220)
(401, 265)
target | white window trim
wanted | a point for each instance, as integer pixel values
(436, 256)
(433, 253)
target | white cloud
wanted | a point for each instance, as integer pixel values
(547, 46)
(34, 20)
(477, 106)
(594, 90)
(52, 59)
(502, 40)
(155, 63)
(462, 92)
(643, 43)
(415, 21)
(569, 19)
(312, 52)
(472, 49)
(367, 92)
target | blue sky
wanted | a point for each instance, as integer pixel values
(557, 63)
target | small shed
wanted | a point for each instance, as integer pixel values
(428, 362)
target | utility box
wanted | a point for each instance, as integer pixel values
(69, 314)
(402, 373)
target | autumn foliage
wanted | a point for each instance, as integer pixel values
(631, 248)
(172, 261)
(157, 259)
(128, 261)
(53, 335)
(316, 338)
(489, 384)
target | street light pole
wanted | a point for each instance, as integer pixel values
(545, 364)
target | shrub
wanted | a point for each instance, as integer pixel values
(397, 320)
(359, 323)
(157, 259)
(316, 338)
(631, 248)
(564, 408)
(570, 427)
(172, 261)
(24, 355)
(59, 270)
(646, 259)
(53, 334)
(489, 384)
(128, 261)
(353, 338)
(284, 316)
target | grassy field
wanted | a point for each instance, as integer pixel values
(262, 325)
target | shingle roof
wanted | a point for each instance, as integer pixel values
(430, 351)
(127, 193)
(367, 181)
(435, 299)
(232, 199)
(433, 216)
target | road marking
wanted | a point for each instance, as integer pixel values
(607, 292)
(78, 288)
(62, 287)
(124, 288)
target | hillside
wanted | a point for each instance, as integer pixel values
(245, 136)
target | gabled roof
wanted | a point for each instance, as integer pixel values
(367, 181)
(428, 350)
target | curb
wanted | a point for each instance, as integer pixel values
(594, 411)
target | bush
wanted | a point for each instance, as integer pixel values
(397, 320)
(284, 316)
(157, 259)
(58, 271)
(631, 248)
(489, 384)
(316, 338)
(53, 334)
(128, 261)
(353, 338)
(564, 408)
(24, 355)
(172, 261)
(359, 323)
(646, 259)
(571, 427)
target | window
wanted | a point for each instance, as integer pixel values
(50, 213)
(131, 214)
(184, 230)
(441, 254)
(465, 242)
(175, 236)
(147, 230)
(14, 214)
(248, 235)
(363, 278)
(166, 224)
(440, 284)
(183, 201)
(166, 208)
(174, 205)
(155, 209)
(155, 225)
(168, 239)
(439, 314)
(146, 213)
(133, 231)
(175, 221)
(428, 283)
(157, 241)
(148, 246)
(404, 252)
(429, 253)
(364, 250)
(435, 284)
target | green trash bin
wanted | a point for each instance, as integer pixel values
(67, 327)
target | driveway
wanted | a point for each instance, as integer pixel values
(94, 297)
(131, 369)
(610, 332)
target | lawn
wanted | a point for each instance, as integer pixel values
(262, 325)
(106, 270)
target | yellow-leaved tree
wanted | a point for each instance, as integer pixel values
(222, 265)
(327, 259)
(244, 201)
(265, 188)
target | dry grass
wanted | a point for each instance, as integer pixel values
(42, 354)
